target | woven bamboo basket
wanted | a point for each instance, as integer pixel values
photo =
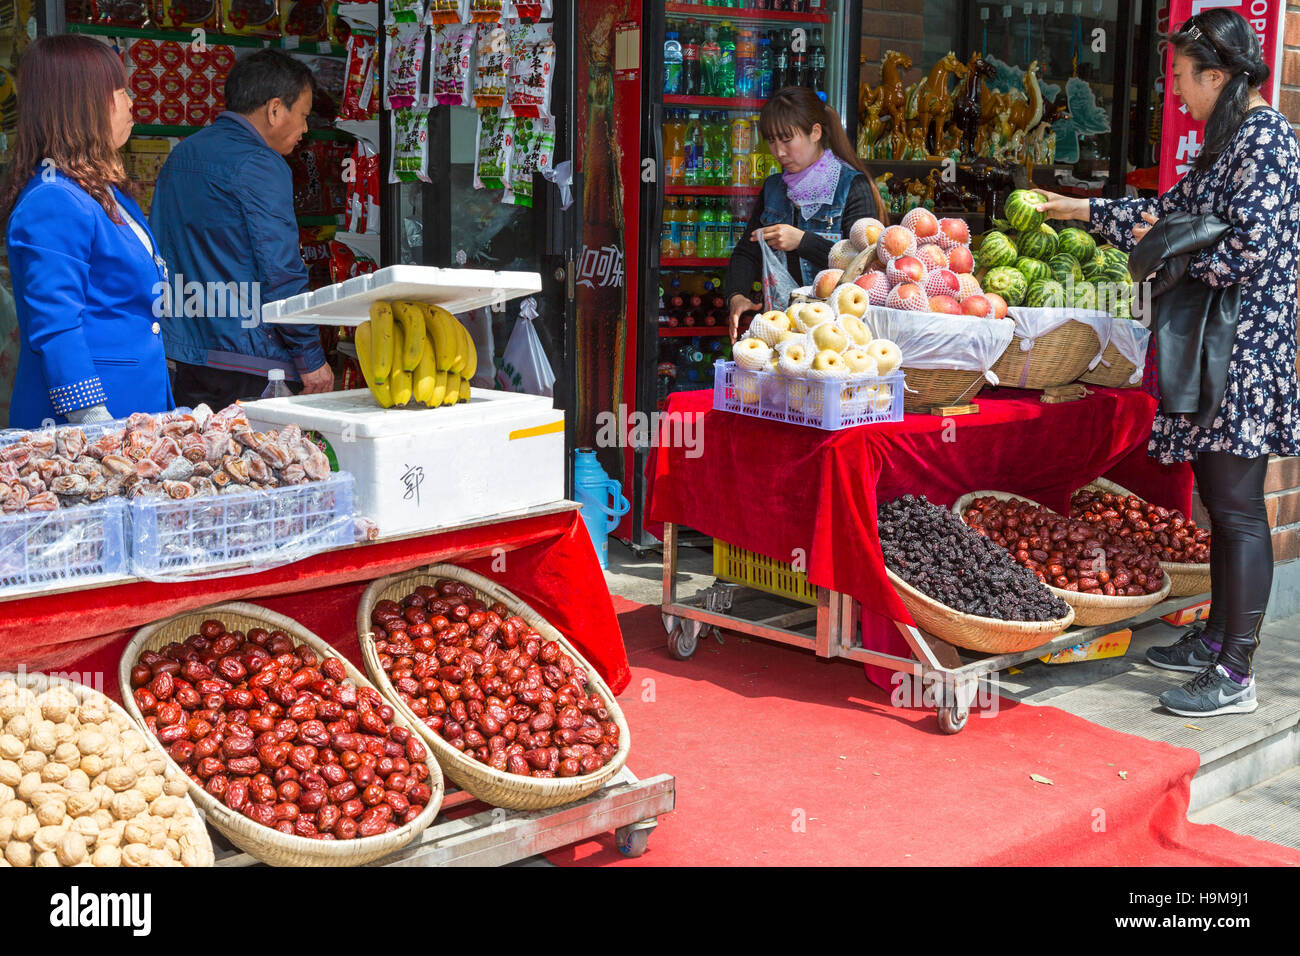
(1186, 578)
(928, 388)
(264, 843)
(40, 683)
(1116, 376)
(495, 787)
(985, 634)
(1089, 609)
(1057, 358)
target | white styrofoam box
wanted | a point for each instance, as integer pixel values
(419, 469)
(348, 302)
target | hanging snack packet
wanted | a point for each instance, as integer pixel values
(405, 11)
(404, 52)
(306, 19)
(532, 68)
(485, 11)
(410, 160)
(347, 262)
(526, 10)
(361, 54)
(451, 76)
(491, 65)
(363, 190)
(191, 13)
(533, 152)
(260, 18)
(494, 140)
(447, 11)
(119, 13)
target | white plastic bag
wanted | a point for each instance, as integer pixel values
(933, 341)
(479, 324)
(1131, 340)
(777, 282)
(524, 366)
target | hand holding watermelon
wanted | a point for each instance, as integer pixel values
(1062, 207)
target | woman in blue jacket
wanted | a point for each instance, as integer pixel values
(85, 269)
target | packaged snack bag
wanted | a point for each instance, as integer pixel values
(314, 242)
(494, 140)
(119, 13)
(451, 77)
(491, 65)
(258, 18)
(404, 54)
(448, 11)
(410, 159)
(356, 91)
(533, 152)
(171, 112)
(485, 11)
(405, 11)
(363, 190)
(184, 14)
(145, 112)
(347, 262)
(142, 54)
(526, 10)
(307, 19)
(532, 69)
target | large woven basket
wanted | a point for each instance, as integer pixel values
(985, 634)
(1057, 358)
(495, 787)
(1089, 609)
(929, 388)
(40, 683)
(1186, 578)
(1117, 375)
(264, 843)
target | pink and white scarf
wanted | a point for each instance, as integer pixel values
(814, 186)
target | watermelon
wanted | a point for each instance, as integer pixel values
(1085, 296)
(1076, 243)
(1007, 282)
(1122, 307)
(1033, 269)
(1065, 268)
(1093, 271)
(1045, 294)
(1115, 257)
(1114, 265)
(1038, 243)
(996, 250)
(1020, 210)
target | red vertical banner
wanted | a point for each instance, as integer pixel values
(1182, 136)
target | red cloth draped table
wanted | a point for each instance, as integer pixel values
(547, 560)
(787, 490)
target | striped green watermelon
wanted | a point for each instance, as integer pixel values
(1033, 269)
(1038, 243)
(1020, 210)
(1065, 268)
(1007, 282)
(1116, 264)
(1085, 296)
(1045, 294)
(1111, 293)
(1077, 243)
(1122, 308)
(1094, 271)
(996, 250)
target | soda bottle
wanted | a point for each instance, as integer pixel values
(817, 62)
(781, 64)
(705, 234)
(758, 156)
(722, 148)
(691, 83)
(675, 147)
(709, 54)
(695, 171)
(741, 145)
(726, 69)
(690, 223)
(672, 64)
(763, 75)
(723, 243)
(670, 235)
(798, 68)
(746, 66)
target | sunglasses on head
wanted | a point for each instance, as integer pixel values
(1192, 32)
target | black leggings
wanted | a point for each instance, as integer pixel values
(1241, 552)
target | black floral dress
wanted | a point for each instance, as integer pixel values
(1255, 186)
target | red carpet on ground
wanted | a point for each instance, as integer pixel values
(784, 759)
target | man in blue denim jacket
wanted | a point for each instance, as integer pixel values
(223, 215)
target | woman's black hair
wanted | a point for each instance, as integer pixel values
(1221, 39)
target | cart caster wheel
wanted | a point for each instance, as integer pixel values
(632, 840)
(682, 642)
(670, 622)
(953, 718)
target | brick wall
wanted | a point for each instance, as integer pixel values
(1282, 498)
(1290, 105)
(893, 25)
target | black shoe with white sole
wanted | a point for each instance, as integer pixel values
(1209, 693)
(1188, 653)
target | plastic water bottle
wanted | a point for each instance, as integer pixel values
(726, 70)
(710, 52)
(764, 74)
(672, 65)
(275, 386)
(746, 66)
(695, 170)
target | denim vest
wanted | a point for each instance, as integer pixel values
(826, 221)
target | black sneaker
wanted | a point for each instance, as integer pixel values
(1209, 693)
(1189, 653)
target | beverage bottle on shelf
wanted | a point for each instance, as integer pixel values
(695, 171)
(726, 70)
(761, 4)
(817, 62)
(781, 60)
(721, 149)
(690, 223)
(763, 70)
(816, 6)
(741, 146)
(669, 239)
(675, 147)
(798, 68)
(705, 234)
(758, 156)
(746, 66)
(691, 84)
(723, 242)
(709, 52)
(672, 64)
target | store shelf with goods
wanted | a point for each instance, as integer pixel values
(688, 331)
(741, 15)
(715, 102)
(675, 190)
(212, 38)
(695, 263)
(156, 129)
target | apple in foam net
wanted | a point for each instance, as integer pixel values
(932, 256)
(908, 296)
(876, 285)
(906, 269)
(960, 259)
(921, 222)
(954, 231)
(977, 305)
(865, 232)
(826, 282)
(999, 304)
(945, 304)
(942, 282)
(896, 241)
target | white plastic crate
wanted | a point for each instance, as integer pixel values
(831, 404)
(67, 546)
(239, 532)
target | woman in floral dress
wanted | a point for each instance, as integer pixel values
(1248, 175)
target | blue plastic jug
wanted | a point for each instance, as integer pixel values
(601, 498)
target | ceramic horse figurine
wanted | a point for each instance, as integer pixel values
(893, 97)
(966, 111)
(935, 102)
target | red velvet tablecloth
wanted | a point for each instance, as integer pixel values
(547, 560)
(789, 491)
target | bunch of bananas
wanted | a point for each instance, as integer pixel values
(414, 351)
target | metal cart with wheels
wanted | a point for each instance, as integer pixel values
(949, 678)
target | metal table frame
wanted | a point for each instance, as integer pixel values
(948, 679)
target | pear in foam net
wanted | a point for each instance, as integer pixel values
(751, 353)
(814, 314)
(887, 355)
(860, 361)
(762, 327)
(856, 329)
(829, 335)
(851, 300)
